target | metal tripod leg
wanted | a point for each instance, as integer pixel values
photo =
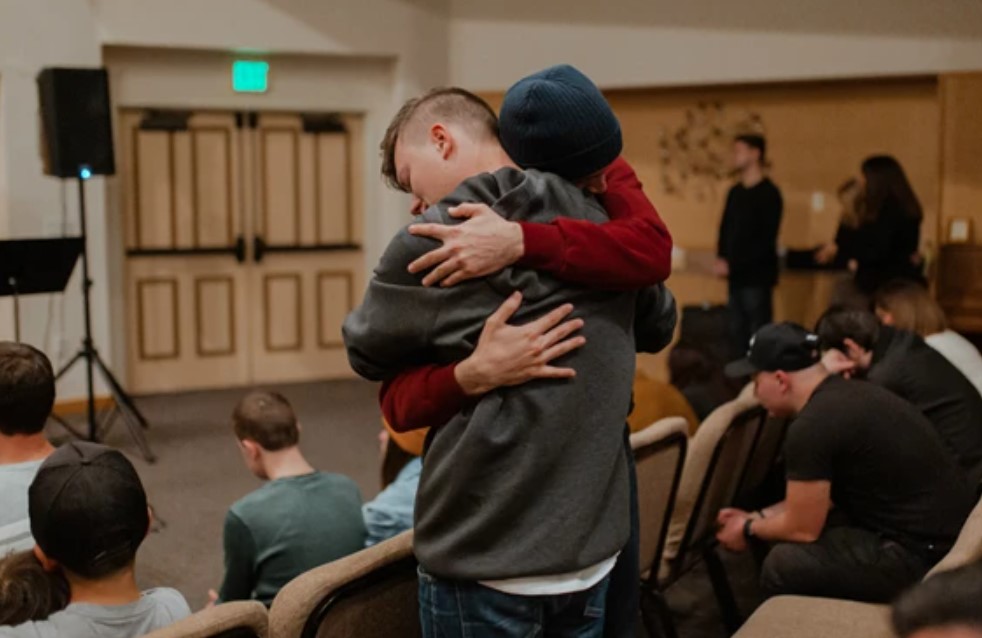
(69, 427)
(68, 366)
(134, 421)
(121, 396)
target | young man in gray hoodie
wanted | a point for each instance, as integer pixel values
(523, 501)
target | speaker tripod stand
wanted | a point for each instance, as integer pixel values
(124, 405)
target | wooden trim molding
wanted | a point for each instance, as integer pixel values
(200, 348)
(195, 186)
(347, 277)
(297, 345)
(140, 314)
(74, 407)
(264, 166)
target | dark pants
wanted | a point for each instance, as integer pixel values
(463, 609)
(749, 309)
(624, 594)
(845, 562)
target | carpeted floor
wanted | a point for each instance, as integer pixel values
(199, 473)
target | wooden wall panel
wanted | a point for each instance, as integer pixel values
(280, 180)
(283, 312)
(154, 189)
(818, 135)
(184, 182)
(158, 319)
(333, 193)
(335, 299)
(961, 165)
(213, 223)
(215, 316)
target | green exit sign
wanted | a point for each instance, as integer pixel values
(250, 76)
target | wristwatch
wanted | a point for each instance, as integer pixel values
(748, 531)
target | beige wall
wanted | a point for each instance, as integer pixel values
(407, 40)
(490, 54)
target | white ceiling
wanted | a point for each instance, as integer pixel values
(929, 18)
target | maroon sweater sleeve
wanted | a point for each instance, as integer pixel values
(633, 250)
(422, 397)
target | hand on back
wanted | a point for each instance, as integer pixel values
(484, 244)
(508, 355)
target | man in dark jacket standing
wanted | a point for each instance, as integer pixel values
(747, 250)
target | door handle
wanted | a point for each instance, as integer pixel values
(240, 249)
(258, 248)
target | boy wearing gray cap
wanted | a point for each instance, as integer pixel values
(89, 516)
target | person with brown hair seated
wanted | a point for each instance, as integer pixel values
(298, 520)
(27, 591)
(907, 305)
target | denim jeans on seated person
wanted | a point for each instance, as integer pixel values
(466, 609)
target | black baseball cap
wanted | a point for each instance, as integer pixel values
(88, 509)
(777, 346)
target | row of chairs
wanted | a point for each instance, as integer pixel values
(371, 593)
(682, 485)
(727, 462)
(801, 617)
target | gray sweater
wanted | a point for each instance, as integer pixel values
(531, 480)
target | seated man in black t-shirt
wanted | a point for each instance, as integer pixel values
(900, 361)
(899, 498)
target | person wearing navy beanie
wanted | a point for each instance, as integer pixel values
(558, 121)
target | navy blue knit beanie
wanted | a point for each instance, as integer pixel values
(557, 121)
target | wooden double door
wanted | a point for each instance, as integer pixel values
(243, 254)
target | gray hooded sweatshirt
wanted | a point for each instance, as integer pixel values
(530, 480)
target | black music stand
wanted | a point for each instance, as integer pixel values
(33, 266)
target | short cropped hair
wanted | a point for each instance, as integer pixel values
(949, 599)
(27, 389)
(754, 141)
(267, 419)
(840, 323)
(912, 307)
(450, 104)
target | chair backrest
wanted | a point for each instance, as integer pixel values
(719, 487)
(968, 546)
(659, 454)
(371, 594)
(766, 449)
(701, 450)
(240, 619)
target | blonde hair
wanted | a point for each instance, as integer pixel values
(912, 307)
(851, 196)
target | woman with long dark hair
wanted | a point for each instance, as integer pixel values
(889, 232)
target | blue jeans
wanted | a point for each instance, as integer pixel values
(749, 308)
(466, 609)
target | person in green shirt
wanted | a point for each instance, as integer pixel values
(300, 519)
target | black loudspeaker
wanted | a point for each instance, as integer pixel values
(77, 123)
